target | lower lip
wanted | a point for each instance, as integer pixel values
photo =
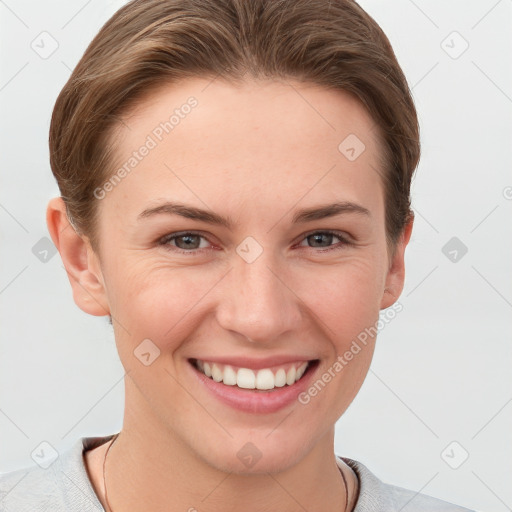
(253, 400)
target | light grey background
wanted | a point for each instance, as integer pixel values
(442, 368)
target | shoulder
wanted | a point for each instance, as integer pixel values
(412, 501)
(377, 496)
(63, 486)
(31, 489)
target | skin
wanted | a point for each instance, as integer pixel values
(255, 152)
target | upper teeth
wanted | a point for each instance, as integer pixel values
(250, 379)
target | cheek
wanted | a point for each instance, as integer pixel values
(154, 301)
(344, 297)
(344, 300)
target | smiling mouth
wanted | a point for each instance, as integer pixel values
(264, 379)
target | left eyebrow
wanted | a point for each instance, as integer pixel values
(300, 217)
(329, 210)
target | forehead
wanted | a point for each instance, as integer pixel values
(220, 136)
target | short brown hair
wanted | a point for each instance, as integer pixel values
(147, 43)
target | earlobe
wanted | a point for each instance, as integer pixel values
(80, 261)
(395, 277)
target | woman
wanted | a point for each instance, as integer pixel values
(234, 181)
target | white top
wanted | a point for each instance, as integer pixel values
(64, 486)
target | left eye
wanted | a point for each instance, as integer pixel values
(190, 242)
(317, 236)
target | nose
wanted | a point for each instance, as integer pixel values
(258, 303)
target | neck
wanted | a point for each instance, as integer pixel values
(141, 475)
(149, 468)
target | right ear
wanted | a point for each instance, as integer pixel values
(80, 261)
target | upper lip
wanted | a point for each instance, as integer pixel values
(256, 364)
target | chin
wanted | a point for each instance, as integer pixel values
(256, 454)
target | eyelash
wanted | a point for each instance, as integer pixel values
(168, 238)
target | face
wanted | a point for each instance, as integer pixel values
(243, 280)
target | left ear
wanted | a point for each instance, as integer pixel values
(396, 272)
